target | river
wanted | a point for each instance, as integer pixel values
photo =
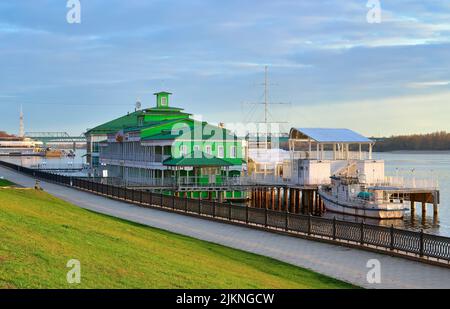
(422, 164)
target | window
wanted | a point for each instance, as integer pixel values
(233, 152)
(183, 150)
(163, 101)
(208, 150)
(196, 148)
(220, 152)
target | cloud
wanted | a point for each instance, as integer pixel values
(211, 54)
(383, 117)
(11, 29)
(429, 84)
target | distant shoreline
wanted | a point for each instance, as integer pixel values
(415, 151)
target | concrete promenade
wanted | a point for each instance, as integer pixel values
(338, 262)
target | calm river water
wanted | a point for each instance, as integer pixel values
(435, 165)
(424, 164)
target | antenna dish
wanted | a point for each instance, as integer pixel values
(138, 105)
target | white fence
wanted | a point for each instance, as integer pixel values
(408, 183)
(389, 181)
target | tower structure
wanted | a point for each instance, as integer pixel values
(21, 125)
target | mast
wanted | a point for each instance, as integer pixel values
(266, 97)
(21, 125)
(266, 105)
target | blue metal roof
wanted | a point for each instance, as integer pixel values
(321, 135)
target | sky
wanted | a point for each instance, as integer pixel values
(324, 58)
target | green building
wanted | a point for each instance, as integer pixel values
(164, 147)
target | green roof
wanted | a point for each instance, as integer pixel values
(146, 125)
(215, 133)
(168, 109)
(193, 161)
(129, 120)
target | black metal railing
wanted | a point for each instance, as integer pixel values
(389, 239)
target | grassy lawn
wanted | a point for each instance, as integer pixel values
(5, 183)
(40, 233)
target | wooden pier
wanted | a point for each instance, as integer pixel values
(423, 198)
(306, 200)
(296, 200)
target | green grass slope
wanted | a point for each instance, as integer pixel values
(5, 183)
(39, 234)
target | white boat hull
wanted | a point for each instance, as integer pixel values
(384, 211)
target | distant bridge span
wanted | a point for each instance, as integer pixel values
(55, 137)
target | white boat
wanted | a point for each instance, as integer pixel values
(350, 196)
(16, 146)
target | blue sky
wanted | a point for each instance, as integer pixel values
(334, 68)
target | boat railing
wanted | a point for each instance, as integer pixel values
(329, 155)
(407, 183)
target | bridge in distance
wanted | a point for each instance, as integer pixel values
(55, 137)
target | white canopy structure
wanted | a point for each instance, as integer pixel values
(314, 143)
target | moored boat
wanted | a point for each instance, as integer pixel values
(53, 153)
(11, 145)
(350, 196)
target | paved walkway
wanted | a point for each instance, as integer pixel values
(338, 262)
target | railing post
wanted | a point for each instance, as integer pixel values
(334, 228)
(185, 204)
(229, 211)
(309, 224)
(265, 217)
(392, 237)
(162, 199)
(286, 223)
(199, 205)
(362, 233)
(173, 201)
(142, 193)
(246, 214)
(421, 243)
(214, 209)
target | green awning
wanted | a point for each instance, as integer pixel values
(202, 161)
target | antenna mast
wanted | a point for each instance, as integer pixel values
(266, 103)
(21, 125)
(266, 97)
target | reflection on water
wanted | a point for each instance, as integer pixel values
(430, 164)
(421, 164)
(76, 162)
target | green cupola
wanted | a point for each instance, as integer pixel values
(162, 99)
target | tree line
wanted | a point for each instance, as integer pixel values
(431, 141)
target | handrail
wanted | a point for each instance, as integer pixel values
(365, 236)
